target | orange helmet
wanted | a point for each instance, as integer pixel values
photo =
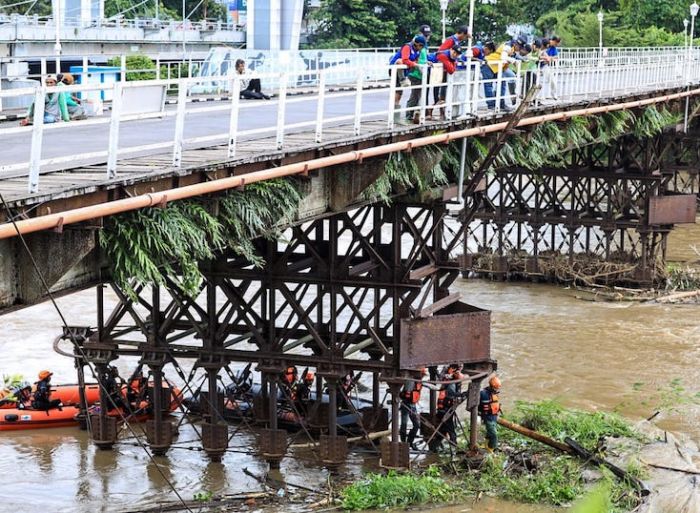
(45, 374)
(495, 383)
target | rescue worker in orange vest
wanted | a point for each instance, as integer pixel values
(410, 397)
(447, 395)
(42, 395)
(489, 408)
(289, 382)
(302, 392)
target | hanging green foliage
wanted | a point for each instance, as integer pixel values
(654, 121)
(259, 210)
(578, 132)
(147, 245)
(611, 125)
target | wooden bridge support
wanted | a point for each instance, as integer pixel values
(356, 291)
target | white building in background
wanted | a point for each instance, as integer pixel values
(274, 24)
(80, 12)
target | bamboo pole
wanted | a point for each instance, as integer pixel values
(534, 435)
(371, 436)
(78, 215)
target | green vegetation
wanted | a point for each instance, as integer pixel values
(379, 23)
(527, 471)
(402, 172)
(682, 277)
(146, 246)
(398, 490)
(140, 64)
(552, 419)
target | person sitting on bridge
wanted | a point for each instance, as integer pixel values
(410, 55)
(42, 394)
(455, 39)
(489, 408)
(449, 60)
(251, 89)
(73, 103)
(55, 108)
(410, 397)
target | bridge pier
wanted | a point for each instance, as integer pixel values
(359, 291)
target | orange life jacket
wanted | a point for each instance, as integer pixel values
(413, 396)
(493, 407)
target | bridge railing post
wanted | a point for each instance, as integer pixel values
(392, 98)
(114, 120)
(233, 117)
(518, 83)
(281, 107)
(320, 105)
(499, 84)
(474, 78)
(449, 95)
(122, 68)
(37, 139)
(423, 94)
(179, 122)
(358, 101)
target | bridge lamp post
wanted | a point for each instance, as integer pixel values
(693, 14)
(694, 8)
(57, 22)
(443, 8)
(601, 16)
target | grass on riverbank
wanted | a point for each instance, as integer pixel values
(523, 471)
(526, 471)
(399, 490)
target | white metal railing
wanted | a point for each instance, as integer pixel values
(120, 22)
(466, 94)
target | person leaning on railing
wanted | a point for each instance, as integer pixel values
(55, 108)
(449, 60)
(251, 89)
(411, 55)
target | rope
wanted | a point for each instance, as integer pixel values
(90, 366)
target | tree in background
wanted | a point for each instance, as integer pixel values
(373, 23)
(358, 23)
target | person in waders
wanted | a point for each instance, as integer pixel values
(490, 408)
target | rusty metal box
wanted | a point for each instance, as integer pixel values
(457, 333)
(673, 209)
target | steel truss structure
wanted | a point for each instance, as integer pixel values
(605, 203)
(364, 290)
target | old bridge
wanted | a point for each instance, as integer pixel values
(354, 283)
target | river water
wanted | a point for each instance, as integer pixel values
(549, 344)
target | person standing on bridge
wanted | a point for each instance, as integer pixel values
(411, 55)
(455, 39)
(449, 60)
(251, 89)
(489, 409)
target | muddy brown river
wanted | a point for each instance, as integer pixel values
(549, 345)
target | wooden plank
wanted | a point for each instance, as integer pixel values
(438, 305)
